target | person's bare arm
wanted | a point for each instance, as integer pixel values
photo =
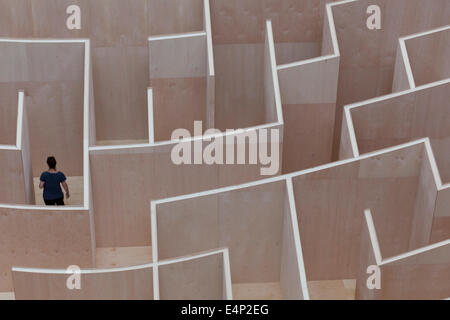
(66, 188)
(41, 184)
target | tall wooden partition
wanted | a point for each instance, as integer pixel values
(16, 171)
(418, 274)
(238, 37)
(196, 277)
(51, 73)
(402, 117)
(428, 55)
(134, 175)
(369, 73)
(256, 222)
(41, 238)
(204, 276)
(308, 93)
(331, 198)
(178, 76)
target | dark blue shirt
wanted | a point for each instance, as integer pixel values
(52, 186)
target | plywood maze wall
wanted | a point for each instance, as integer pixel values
(353, 202)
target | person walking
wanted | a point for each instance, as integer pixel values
(51, 181)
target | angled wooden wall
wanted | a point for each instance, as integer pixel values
(52, 75)
(418, 274)
(371, 74)
(178, 71)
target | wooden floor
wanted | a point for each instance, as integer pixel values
(332, 289)
(75, 187)
(257, 291)
(318, 290)
(7, 296)
(122, 257)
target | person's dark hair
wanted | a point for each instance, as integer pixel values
(51, 161)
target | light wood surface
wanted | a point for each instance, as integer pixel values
(401, 81)
(42, 238)
(420, 274)
(7, 296)
(141, 174)
(122, 257)
(426, 197)
(428, 55)
(253, 242)
(257, 291)
(332, 289)
(51, 74)
(367, 56)
(330, 203)
(407, 117)
(120, 285)
(120, 142)
(255, 227)
(197, 279)
(12, 177)
(261, 224)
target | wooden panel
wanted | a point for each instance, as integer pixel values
(12, 188)
(122, 257)
(314, 82)
(443, 203)
(271, 87)
(197, 279)
(239, 35)
(136, 284)
(178, 70)
(367, 257)
(141, 174)
(236, 21)
(415, 282)
(425, 207)
(121, 79)
(428, 55)
(239, 85)
(332, 289)
(287, 52)
(183, 56)
(308, 94)
(401, 81)
(178, 102)
(8, 114)
(257, 291)
(368, 56)
(308, 135)
(52, 76)
(26, 153)
(404, 118)
(174, 16)
(440, 229)
(16, 172)
(43, 238)
(290, 281)
(111, 25)
(16, 20)
(413, 275)
(327, 46)
(330, 203)
(248, 221)
(346, 147)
